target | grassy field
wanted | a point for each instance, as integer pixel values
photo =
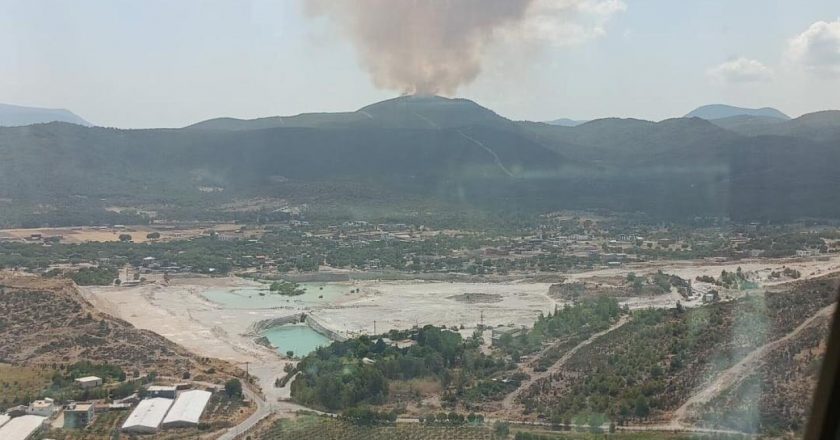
(20, 385)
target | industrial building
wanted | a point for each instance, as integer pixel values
(89, 381)
(22, 428)
(148, 415)
(187, 409)
(167, 392)
(78, 415)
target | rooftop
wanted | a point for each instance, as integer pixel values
(20, 428)
(162, 388)
(188, 407)
(148, 414)
(88, 379)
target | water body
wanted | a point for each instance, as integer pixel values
(259, 297)
(299, 338)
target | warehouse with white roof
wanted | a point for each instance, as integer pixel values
(148, 415)
(22, 428)
(187, 409)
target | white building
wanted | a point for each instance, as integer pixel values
(187, 409)
(22, 428)
(4, 418)
(89, 381)
(148, 415)
(165, 391)
(43, 408)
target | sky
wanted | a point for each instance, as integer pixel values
(163, 63)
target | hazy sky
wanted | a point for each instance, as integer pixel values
(168, 63)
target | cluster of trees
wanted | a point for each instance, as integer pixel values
(452, 418)
(367, 416)
(233, 387)
(286, 288)
(579, 320)
(358, 371)
(787, 272)
(94, 276)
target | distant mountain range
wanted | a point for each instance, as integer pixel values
(565, 122)
(720, 111)
(16, 115)
(440, 154)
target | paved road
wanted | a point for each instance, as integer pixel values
(263, 410)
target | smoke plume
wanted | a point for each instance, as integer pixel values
(421, 46)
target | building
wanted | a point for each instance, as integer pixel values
(22, 428)
(498, 332)
(187, 409)
(43, 408)
(17, 411)
(89, 381)
(4, 418)
(148, 415)
(78, 415)
(167, 392)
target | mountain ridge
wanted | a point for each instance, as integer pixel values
(12, 115)
(720, 111)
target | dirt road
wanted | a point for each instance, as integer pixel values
(508, 402)
(739, 371)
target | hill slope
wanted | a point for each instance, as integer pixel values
(48, 322)
(428, 151)
(15, 115)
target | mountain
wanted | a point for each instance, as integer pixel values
(444, 155)
(820, 126)
(407, 112)
(565, 122)
(718, 111)
(15, 115)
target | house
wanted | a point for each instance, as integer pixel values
(89, 381)
(499, 332)
(43, 408)
(78, 415)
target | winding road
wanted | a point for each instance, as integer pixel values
(508, 401)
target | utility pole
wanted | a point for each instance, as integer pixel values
(374, 326)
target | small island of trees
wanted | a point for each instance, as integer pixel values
(286, 288)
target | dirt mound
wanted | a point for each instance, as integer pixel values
(477, 298)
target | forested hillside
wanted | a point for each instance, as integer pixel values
(435, 152)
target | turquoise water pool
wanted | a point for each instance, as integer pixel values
(299, 338)
(259, 297)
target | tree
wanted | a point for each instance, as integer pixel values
(501, 429)
(233, 388)
(642, 407)
(125, 238)
(153, 235)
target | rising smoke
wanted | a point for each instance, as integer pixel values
(421, 46)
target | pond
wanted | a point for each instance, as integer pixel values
(299, 338)
(259, 297)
